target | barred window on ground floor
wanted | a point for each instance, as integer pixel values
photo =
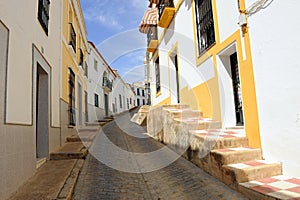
(72, 98)
(96, 97)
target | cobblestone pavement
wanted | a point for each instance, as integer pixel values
(179, 180)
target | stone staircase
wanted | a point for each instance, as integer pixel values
(76, 146)
(225, 154)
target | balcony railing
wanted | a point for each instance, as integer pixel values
(163, 4)
(152, 34)
(72, 41)
(107, 83)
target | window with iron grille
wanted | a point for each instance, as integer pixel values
(85, 69)
(205, 25)
(81, 57)
(157, 74)
(72, 41)
(43, 14)
(120, 98)
(71, 97)
(96, 98)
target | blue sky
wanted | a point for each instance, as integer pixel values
(112, 26)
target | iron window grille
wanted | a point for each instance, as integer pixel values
(72, 41)
(157, 73)
(163, 4)
(205, 25)
(152, 34)
(72, 98)
(85, 69)
(43, 14)
(96, 98)
(120, 98)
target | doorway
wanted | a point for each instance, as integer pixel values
(175, 77)
(106, 105)
(42, 113)
(237, 90)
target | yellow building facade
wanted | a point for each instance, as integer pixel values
(74, 67)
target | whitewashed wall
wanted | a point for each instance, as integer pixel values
(123, 89)
(94, 85)
(25, 30)
(275, 44)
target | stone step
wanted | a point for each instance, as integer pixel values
(199, 123)
(217, 139)
(184, 113)
(276, 187)
(105, 120)
(220, 157)
(177, 106)
(92, 124)
(73, 150)
(88, 128)
(249, 171)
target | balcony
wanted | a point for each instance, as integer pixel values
(166, 12)
(152, 40)
(107, 84)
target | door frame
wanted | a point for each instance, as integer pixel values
(40, 61)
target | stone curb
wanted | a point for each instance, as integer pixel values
(67, 190)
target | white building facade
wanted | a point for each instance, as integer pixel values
(141, 96)
(30, 60)
(100, 86)
(108, 94)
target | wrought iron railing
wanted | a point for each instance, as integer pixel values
(72, 41)
(152, 34)
(107, 83)
(163, 4)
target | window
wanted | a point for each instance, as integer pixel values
(81, 57)
(43, 14)
(157, 73)
(138, 102)
(205, 25)
(71, 97)
(95, 64)
(143, 93)
(72, 41)
(143, 101)
(138, 91)
(120, 98)
(96, 100)
(127, 103)
(130, 101)
(85, 69)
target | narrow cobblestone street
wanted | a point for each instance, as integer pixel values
(179, 180)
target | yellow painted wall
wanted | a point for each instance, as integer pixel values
(68, 58)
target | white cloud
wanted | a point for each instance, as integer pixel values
(115, 14)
